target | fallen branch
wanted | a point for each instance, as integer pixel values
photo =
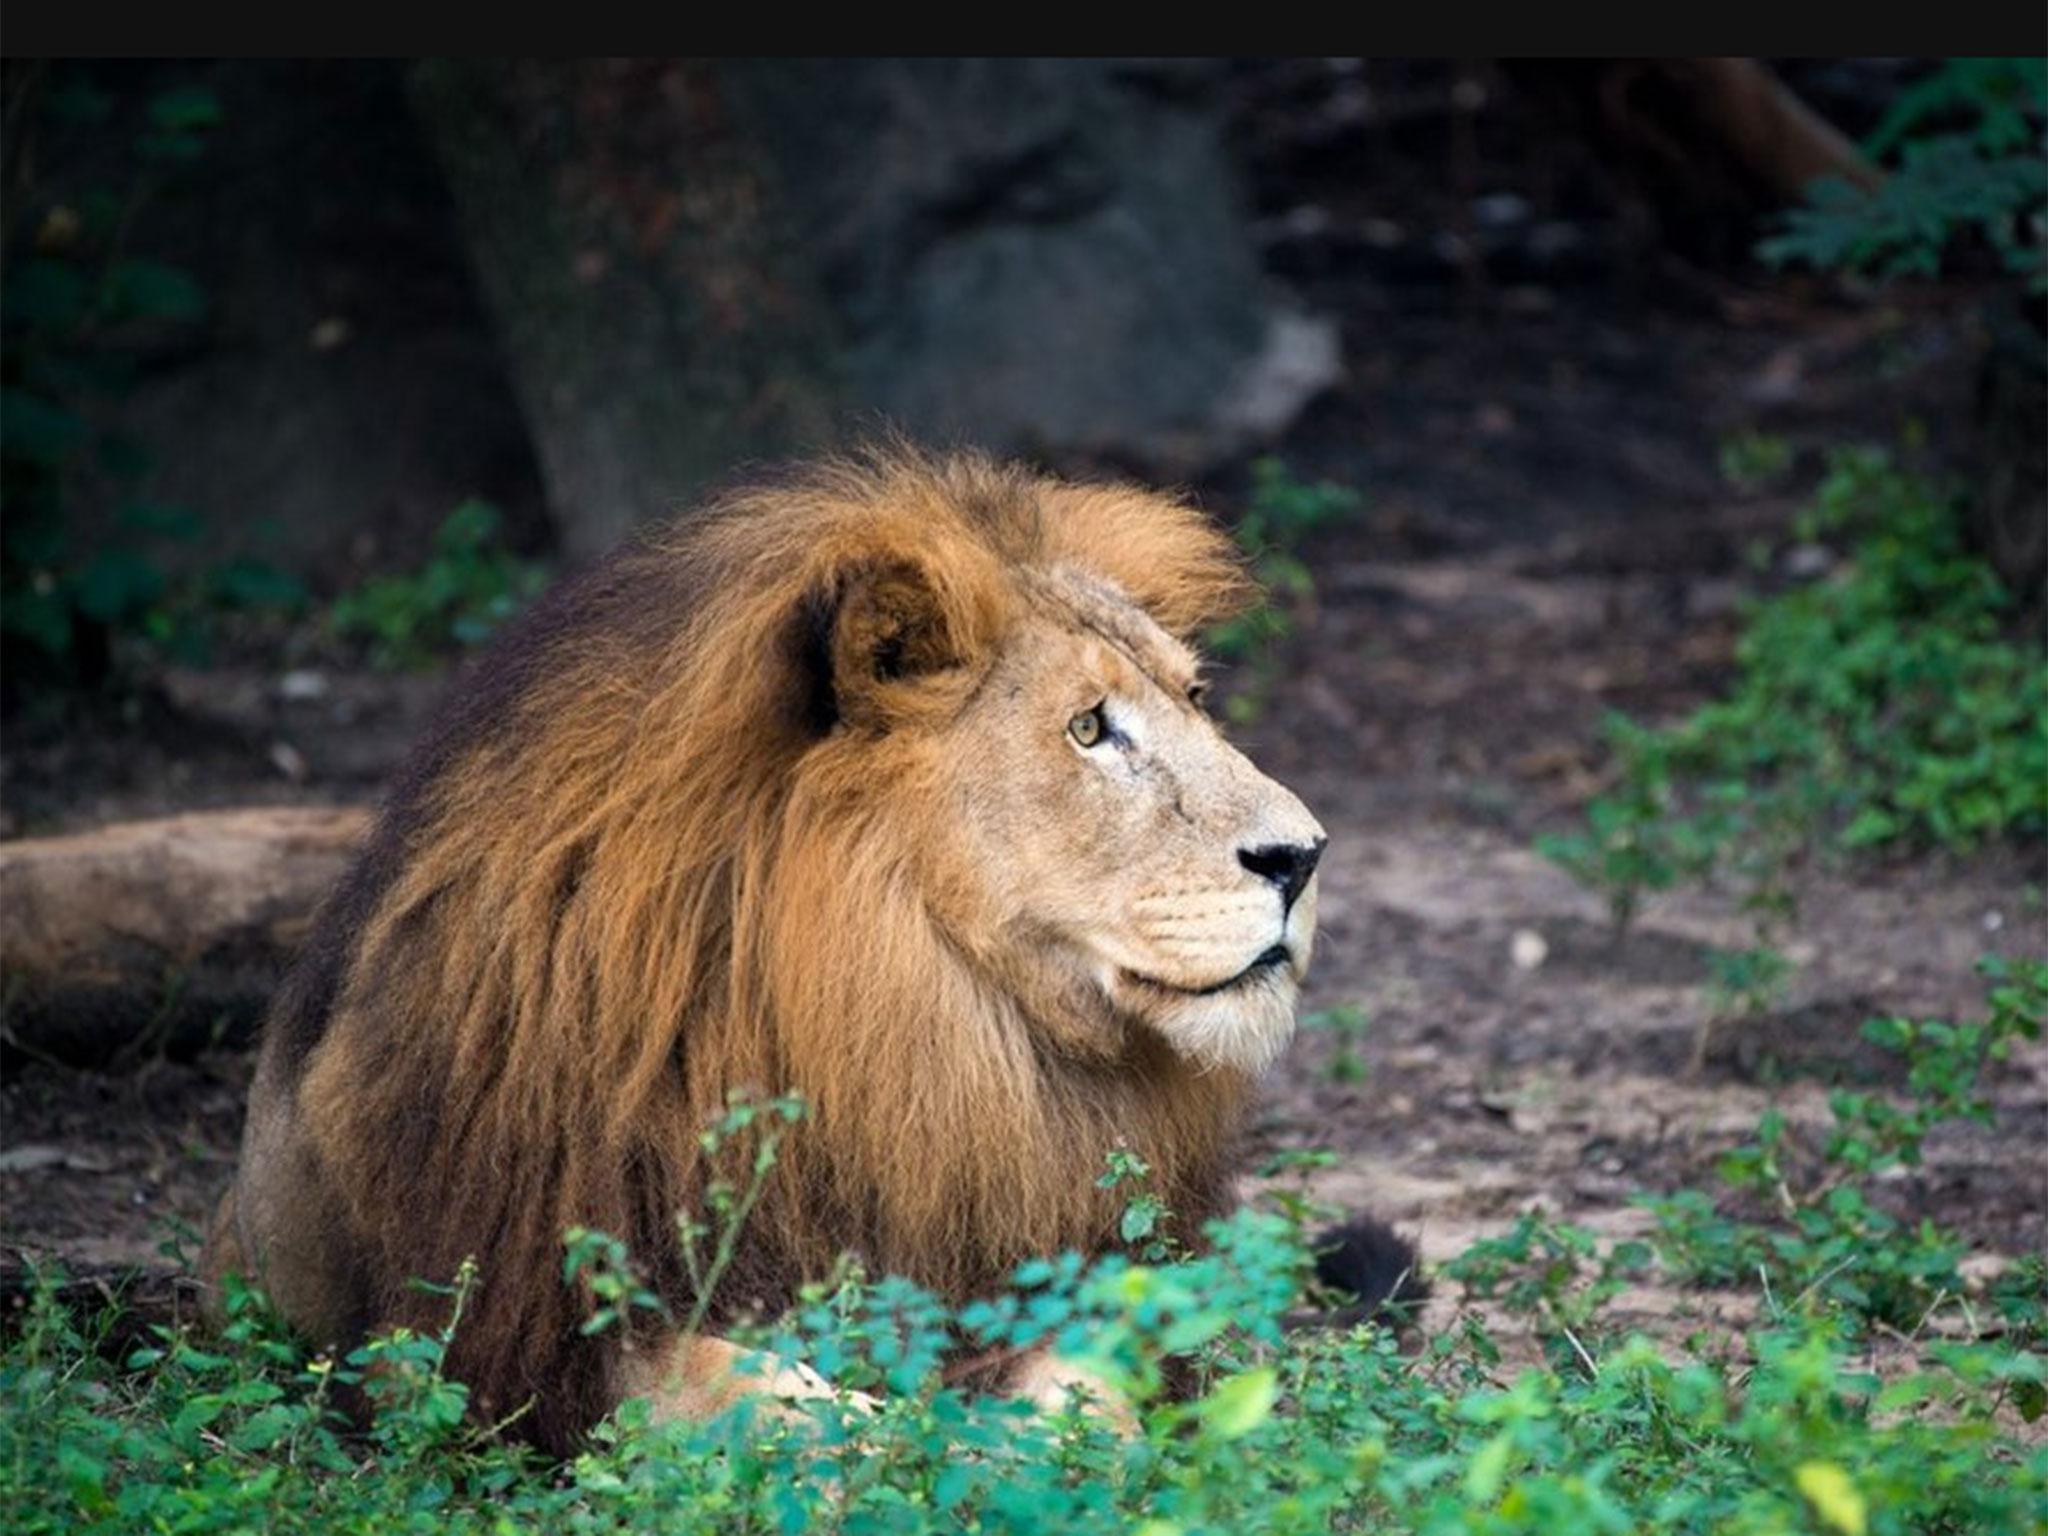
(157, 935)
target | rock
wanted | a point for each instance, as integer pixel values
(1528, 949)
(159, 934)
(302, 685)
(587, 290)
(1808, 562)
(1044, 255)
(695, 265)
(1301, 358)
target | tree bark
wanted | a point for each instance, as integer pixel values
(1709, 145)
(640, 274)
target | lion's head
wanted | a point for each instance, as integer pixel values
(1091, 840)
(889, 785)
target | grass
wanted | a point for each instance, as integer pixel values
(1873, 1390)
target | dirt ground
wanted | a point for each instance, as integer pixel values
(1547, 538)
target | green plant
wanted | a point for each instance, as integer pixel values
(82, 310)
(752, 1132)
(1282, 512)
(748, 1132)
(1145, 1215)
(1242, 1424)
(1741, 983)
(1303, 1433)
(1944, 1065)
(1553, 1271)
(1632, 845)
(1880, 705)
(1967, 145)
(1346, 1026)
(1828, 1238)
(1753, 461)
(468, 587)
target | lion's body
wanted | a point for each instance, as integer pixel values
(668, 845)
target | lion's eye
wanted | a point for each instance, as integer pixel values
(1088, 727)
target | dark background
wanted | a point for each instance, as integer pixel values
(1514, 304)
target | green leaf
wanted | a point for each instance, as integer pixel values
(1871, 825)
(264, 1428)
(1140, 1216)
(116, 584)
(155, 290)
(46, 294)
(2031, 1399)
(953, 1485)
(86, 1475)
(185, 107)
(258, 584)
(1488, 1468)
(1834, 1496)
(37, 432)
(1241, 1403)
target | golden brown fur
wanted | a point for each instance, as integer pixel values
(681, 838)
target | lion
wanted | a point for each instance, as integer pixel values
(888, 784)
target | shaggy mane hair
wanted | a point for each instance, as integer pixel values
(646, 861)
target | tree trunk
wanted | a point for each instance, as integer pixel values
(633, 254)
(1709, 145)
(2006, 516)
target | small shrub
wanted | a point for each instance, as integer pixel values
(1788, 1425)
(1829, 1239)
(1881, 705)
(1282, 513)
(1283, 1433)
(1346, 1025)
(468, 587)
(83, 309)
(1966, 147)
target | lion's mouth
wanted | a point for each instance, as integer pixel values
(1272, 955)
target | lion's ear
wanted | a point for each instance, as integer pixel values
(872, 643)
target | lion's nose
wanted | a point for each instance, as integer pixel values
(1287, 865)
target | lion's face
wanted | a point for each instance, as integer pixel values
(1130, 868)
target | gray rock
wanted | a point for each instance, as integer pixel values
(1036, 254)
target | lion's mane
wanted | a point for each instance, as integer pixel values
(644, 862)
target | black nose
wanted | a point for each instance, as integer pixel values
(1287, 865)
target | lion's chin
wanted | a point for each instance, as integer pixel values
(1246, 1027)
